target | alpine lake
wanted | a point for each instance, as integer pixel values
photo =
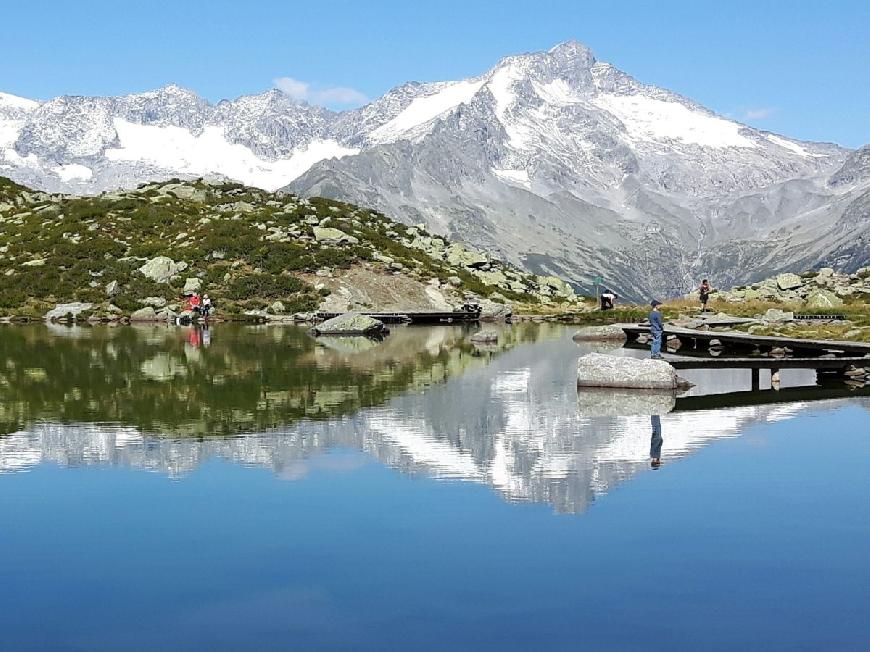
(255, 488)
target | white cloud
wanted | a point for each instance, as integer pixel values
(328, 95)
(759, 113)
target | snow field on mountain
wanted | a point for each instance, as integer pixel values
(424, 109)
(73, 172)
(646, 119)
(210, 152)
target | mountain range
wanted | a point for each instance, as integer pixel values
(552, 160)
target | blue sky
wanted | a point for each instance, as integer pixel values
(799, 68)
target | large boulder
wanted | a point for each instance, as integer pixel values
(777, 315)
(328, 235)
(162, 268)
(192, 285)
(351, 323)
(492, 311)
(789, 281)
(599, 333)
(823, 299)
(602, 370)
(112, 289)
(61, 310)
(459, 256)
(144, 314)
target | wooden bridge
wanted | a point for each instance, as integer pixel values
(414, 317)
(744, 341)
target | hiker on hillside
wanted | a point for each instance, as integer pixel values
(704, 293)
(656, 329)
(206, 306)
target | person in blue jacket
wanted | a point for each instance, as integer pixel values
(656, 328)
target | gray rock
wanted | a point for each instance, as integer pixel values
(154, 302)
(112, 289)
(351, 323)
(492, 311)
(144, 314)
(789, 281)
(61, 310)
(191, 285)
(823, 299)
(277, 307)
(599, 333)
(602, 370)
(161, 269)
(777, 316)
(328, 235)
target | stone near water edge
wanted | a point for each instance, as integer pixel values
(484, 337)
(789, 281)
(144, 314)
(278, 307)
(61, 310)
(599, 333)
(492, 311)
(602, 370)
(351, 323)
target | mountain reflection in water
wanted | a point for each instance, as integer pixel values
(423, 401)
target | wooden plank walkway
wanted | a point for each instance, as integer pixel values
(413, 317)
(762, 341)
(761, 362)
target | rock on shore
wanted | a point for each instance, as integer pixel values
(599, 333)
(602, 370)
(351, 323)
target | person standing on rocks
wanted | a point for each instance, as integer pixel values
(656, 329)
(704, 293)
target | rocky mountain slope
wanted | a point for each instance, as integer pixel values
(551, 160)
(133, 254)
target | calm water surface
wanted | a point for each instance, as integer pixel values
(250, 488)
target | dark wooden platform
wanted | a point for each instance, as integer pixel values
(735, 339)
(762, 362)
(412, 317)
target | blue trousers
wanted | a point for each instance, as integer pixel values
(656, 342)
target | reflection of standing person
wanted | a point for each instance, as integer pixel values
(656, 328)
(704, 294)
(655, 444)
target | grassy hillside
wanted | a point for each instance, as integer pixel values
(248, 249)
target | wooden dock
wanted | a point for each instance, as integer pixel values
(737, 340)
(414, 317)
(771, 362)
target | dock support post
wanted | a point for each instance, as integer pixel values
(755, 376)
